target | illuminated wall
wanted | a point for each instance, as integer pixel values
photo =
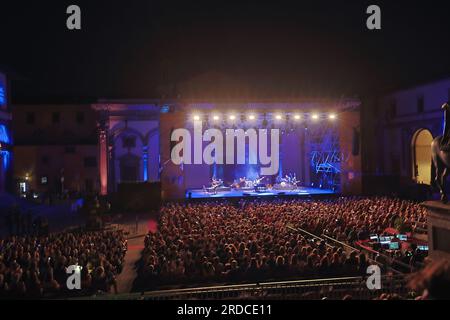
(5, 137)
(401, 116)
(3, 92)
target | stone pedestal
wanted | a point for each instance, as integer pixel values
(438, 229)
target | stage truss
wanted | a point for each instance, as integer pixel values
(326, 156)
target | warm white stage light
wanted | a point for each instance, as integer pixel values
(278, 117)
(196, 118)
(315, 116)
(215, 118)
(251, 117)
(297, 117)
(332, 116)
(232, 117)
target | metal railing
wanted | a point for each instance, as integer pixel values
(333, 288)
(387, 262)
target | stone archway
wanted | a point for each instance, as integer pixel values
(421, 154)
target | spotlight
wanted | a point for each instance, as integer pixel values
(278, 117)
(196, 117)
(232, 117)
(332, 116)
(315, 116)
(297, 117)
(216, 118)
(251, 117)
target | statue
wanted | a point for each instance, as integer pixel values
(440, 153)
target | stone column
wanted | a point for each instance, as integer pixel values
(103, 159)
(111, 166)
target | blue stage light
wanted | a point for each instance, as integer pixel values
(165, 109)
(145, 164)
(6, 158)
(2, 95)
(4, 137)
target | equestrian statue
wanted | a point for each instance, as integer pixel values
(440, 153)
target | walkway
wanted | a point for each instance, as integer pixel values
(135, 246)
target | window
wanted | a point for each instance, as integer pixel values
(80, 117)
(56, 116)
(420, 104)
(129, 142)
(90, 162)
(31, 118)
(23, 187)
(69, 149)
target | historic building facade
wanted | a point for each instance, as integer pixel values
(128, 142)
(407, 122)
(56, 148)
(5, 136)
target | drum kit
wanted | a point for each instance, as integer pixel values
(289, 182)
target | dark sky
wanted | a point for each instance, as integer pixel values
(127, 49)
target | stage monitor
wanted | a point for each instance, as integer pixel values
(394, 245)
(386, 239)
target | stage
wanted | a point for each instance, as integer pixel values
(236, 193)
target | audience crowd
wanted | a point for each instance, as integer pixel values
(255, 240)
(250, 240)
(35, 266)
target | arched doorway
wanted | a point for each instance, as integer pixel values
(129, 168)
(421, 149)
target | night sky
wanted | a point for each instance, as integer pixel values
(130, 49)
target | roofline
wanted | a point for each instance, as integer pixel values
(227, 100)
(415, 86)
